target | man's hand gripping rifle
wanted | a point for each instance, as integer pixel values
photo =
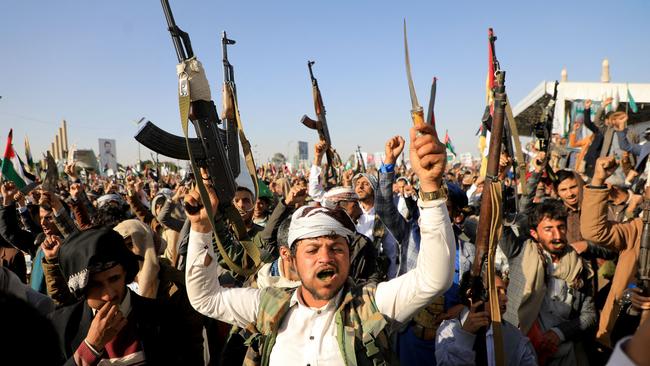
(320, 125)
(207, 152)
(543, 130)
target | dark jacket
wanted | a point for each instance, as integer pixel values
(158, 331)
(641, 152)
(11, 231)
(596, 145)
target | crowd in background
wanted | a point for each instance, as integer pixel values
(566, 264)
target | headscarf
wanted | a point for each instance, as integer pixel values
(111, 197)
(91, 251)
(312, 222)
(143, 245)
(335, 195)
(371, 178)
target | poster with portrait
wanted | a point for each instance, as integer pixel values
(107, 156)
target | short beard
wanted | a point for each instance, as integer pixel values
(329, 295)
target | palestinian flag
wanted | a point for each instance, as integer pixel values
(13, 168)
(448, 144)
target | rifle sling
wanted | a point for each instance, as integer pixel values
(184, 102)
(245, 144)
(519, 156)
(496, 225)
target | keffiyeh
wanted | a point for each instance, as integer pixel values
(312, 222)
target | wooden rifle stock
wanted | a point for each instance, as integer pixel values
(483, 232)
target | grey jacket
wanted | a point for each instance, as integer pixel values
(583, 312)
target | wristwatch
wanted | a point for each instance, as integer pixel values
(435, 195)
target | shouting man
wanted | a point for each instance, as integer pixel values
(328, 320)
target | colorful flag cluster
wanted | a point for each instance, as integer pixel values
(13, 169)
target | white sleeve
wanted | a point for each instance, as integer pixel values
(316, 190)
(619, 357)
(238, 306)
(403, 296)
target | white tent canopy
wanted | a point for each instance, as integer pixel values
(529, 109)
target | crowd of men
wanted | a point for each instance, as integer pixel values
(369, 268)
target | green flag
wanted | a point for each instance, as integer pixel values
(631, 102)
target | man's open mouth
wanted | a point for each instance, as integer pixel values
(326, 274)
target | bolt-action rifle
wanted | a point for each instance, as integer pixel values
(490, 225)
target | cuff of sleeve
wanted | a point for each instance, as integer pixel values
(387, 168)
(22, 209)
(597, 188)
(430, 204)
(619, 357)
(88, 354)
(464, 339)
(559, 333)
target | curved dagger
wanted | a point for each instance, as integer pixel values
(417, 112)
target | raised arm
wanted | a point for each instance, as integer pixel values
(401, 297)
(594, 225)
(316, 190)
(384, 205)
(236, 306)
(587, 114)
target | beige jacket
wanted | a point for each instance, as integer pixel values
(624, 238)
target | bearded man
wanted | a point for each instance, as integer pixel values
(551, 289)
(328, 320)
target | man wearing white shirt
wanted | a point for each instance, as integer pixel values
(329, 320)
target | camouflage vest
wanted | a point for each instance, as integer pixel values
(361, 333)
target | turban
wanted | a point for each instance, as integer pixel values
(337, 194)
(111, 197)
(312, 222)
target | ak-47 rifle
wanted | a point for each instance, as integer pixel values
(320, 125)
(208, 150)
(490, 225)
(360, 162)
(543, 130)
(228, 116)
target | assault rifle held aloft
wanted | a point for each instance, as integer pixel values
(208, 149)
(543, 130)
(490, 225)
(360, 162)
(320, 125)
(228, 116)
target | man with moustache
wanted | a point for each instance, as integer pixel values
(329, 320)
(245, 204)
(550, 290)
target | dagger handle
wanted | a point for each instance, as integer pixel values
(418, 116)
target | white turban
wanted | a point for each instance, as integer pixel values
(312, 222)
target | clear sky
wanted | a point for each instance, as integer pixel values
(103, 65)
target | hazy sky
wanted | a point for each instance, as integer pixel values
(103, 65)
